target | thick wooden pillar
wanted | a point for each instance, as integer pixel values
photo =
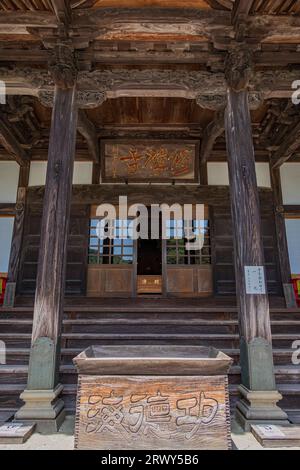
(258, 388)
(282, 245)
(42, 403)
(17, 237)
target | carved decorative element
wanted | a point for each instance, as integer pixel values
(239, 67)
(90, 99)
(279, 209)
(176, 79)
(213, 102)
(62, 65)
(207, 88)
(46, 97)
(256, 99)
(85, 99)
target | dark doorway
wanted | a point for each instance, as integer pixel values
(149, 259)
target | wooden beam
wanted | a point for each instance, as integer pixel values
(241, 9)
(7, 209)
(214, 130)
(88, 131)
(181, 24)
(288, 148)
(62, 9)
(10, 143)
(149, 194)
(18, 21)
(292, 211)
(163, 82)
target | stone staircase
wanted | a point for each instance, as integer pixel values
(83, 327)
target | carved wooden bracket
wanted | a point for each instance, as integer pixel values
(207, 88)
(239, 67)
(62, 65)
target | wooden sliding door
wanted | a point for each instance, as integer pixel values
(111, 262)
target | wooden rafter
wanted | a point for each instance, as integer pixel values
(10, 142)
(88, 131)
(288, 147)
(214, 130)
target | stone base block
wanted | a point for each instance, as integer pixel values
(44, 408)
(259, 407)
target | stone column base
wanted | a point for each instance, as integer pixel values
(44, 408)
(259, 407)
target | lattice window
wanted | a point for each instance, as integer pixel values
(176, 251)
(113, 250)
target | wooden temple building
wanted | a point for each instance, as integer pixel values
(162, 101)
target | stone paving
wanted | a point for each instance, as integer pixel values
(64, 440)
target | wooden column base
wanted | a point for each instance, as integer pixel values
(44, 408)
(259, 408)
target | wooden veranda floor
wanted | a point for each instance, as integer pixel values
(149, 301)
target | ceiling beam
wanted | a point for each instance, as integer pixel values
(241, 9)
(87, 129)
(14, 20)
(113, 23)
(11, 144)
(213, 130)
(288, 148)
(62, 9)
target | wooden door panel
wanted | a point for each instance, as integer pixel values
(110, 281)
(189, 281)
(180, 280)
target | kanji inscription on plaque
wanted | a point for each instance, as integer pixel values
(152, 413)
(153, 160)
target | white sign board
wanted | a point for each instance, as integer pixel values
(255, 280)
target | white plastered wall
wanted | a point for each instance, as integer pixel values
(9, 176)
(293, 237)
(290, 183)
(6, 230)
(82, 173)
(218, 174)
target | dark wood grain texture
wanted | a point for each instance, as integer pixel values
(152, 413)
(254, 309)
(17, 237)
(55, 225)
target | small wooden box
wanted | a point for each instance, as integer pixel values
(152, 397)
